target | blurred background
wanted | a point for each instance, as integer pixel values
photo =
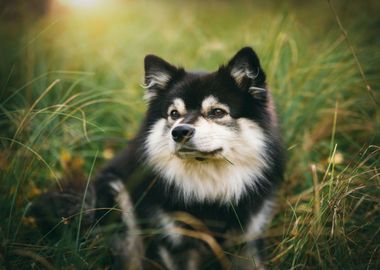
(71, 97)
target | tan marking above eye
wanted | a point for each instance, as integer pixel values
(211, 103)
(177, 105)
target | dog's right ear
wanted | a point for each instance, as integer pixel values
(158, 75)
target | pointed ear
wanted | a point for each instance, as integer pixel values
(245, 69)
(158, 74)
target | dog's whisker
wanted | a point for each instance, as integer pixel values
(226, 159)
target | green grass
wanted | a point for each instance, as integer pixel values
(70, 97)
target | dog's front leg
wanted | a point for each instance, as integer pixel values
(118, 220)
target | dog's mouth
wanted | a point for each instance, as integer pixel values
(192, 153)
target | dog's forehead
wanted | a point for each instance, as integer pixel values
(194, 90)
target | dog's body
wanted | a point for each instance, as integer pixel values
(202, 172)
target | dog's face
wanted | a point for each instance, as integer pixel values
(207, 131)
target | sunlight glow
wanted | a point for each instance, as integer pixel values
(83, 4)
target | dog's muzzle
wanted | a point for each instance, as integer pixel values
(182, 134)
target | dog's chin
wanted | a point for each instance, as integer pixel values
(199, 155)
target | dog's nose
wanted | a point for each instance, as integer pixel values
(182, 133)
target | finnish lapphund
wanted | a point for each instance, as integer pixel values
(196, 187)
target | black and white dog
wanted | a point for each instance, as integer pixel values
(195, 188)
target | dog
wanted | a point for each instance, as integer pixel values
(201, 174)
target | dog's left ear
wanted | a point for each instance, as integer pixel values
(158, 75)
(246, 70)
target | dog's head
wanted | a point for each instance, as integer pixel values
(207, 132)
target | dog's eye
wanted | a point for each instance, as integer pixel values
(217, 113)
(174, 114)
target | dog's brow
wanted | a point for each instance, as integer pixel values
(212, 102)
(179, 105)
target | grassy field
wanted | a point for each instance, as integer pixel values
(70, 98)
